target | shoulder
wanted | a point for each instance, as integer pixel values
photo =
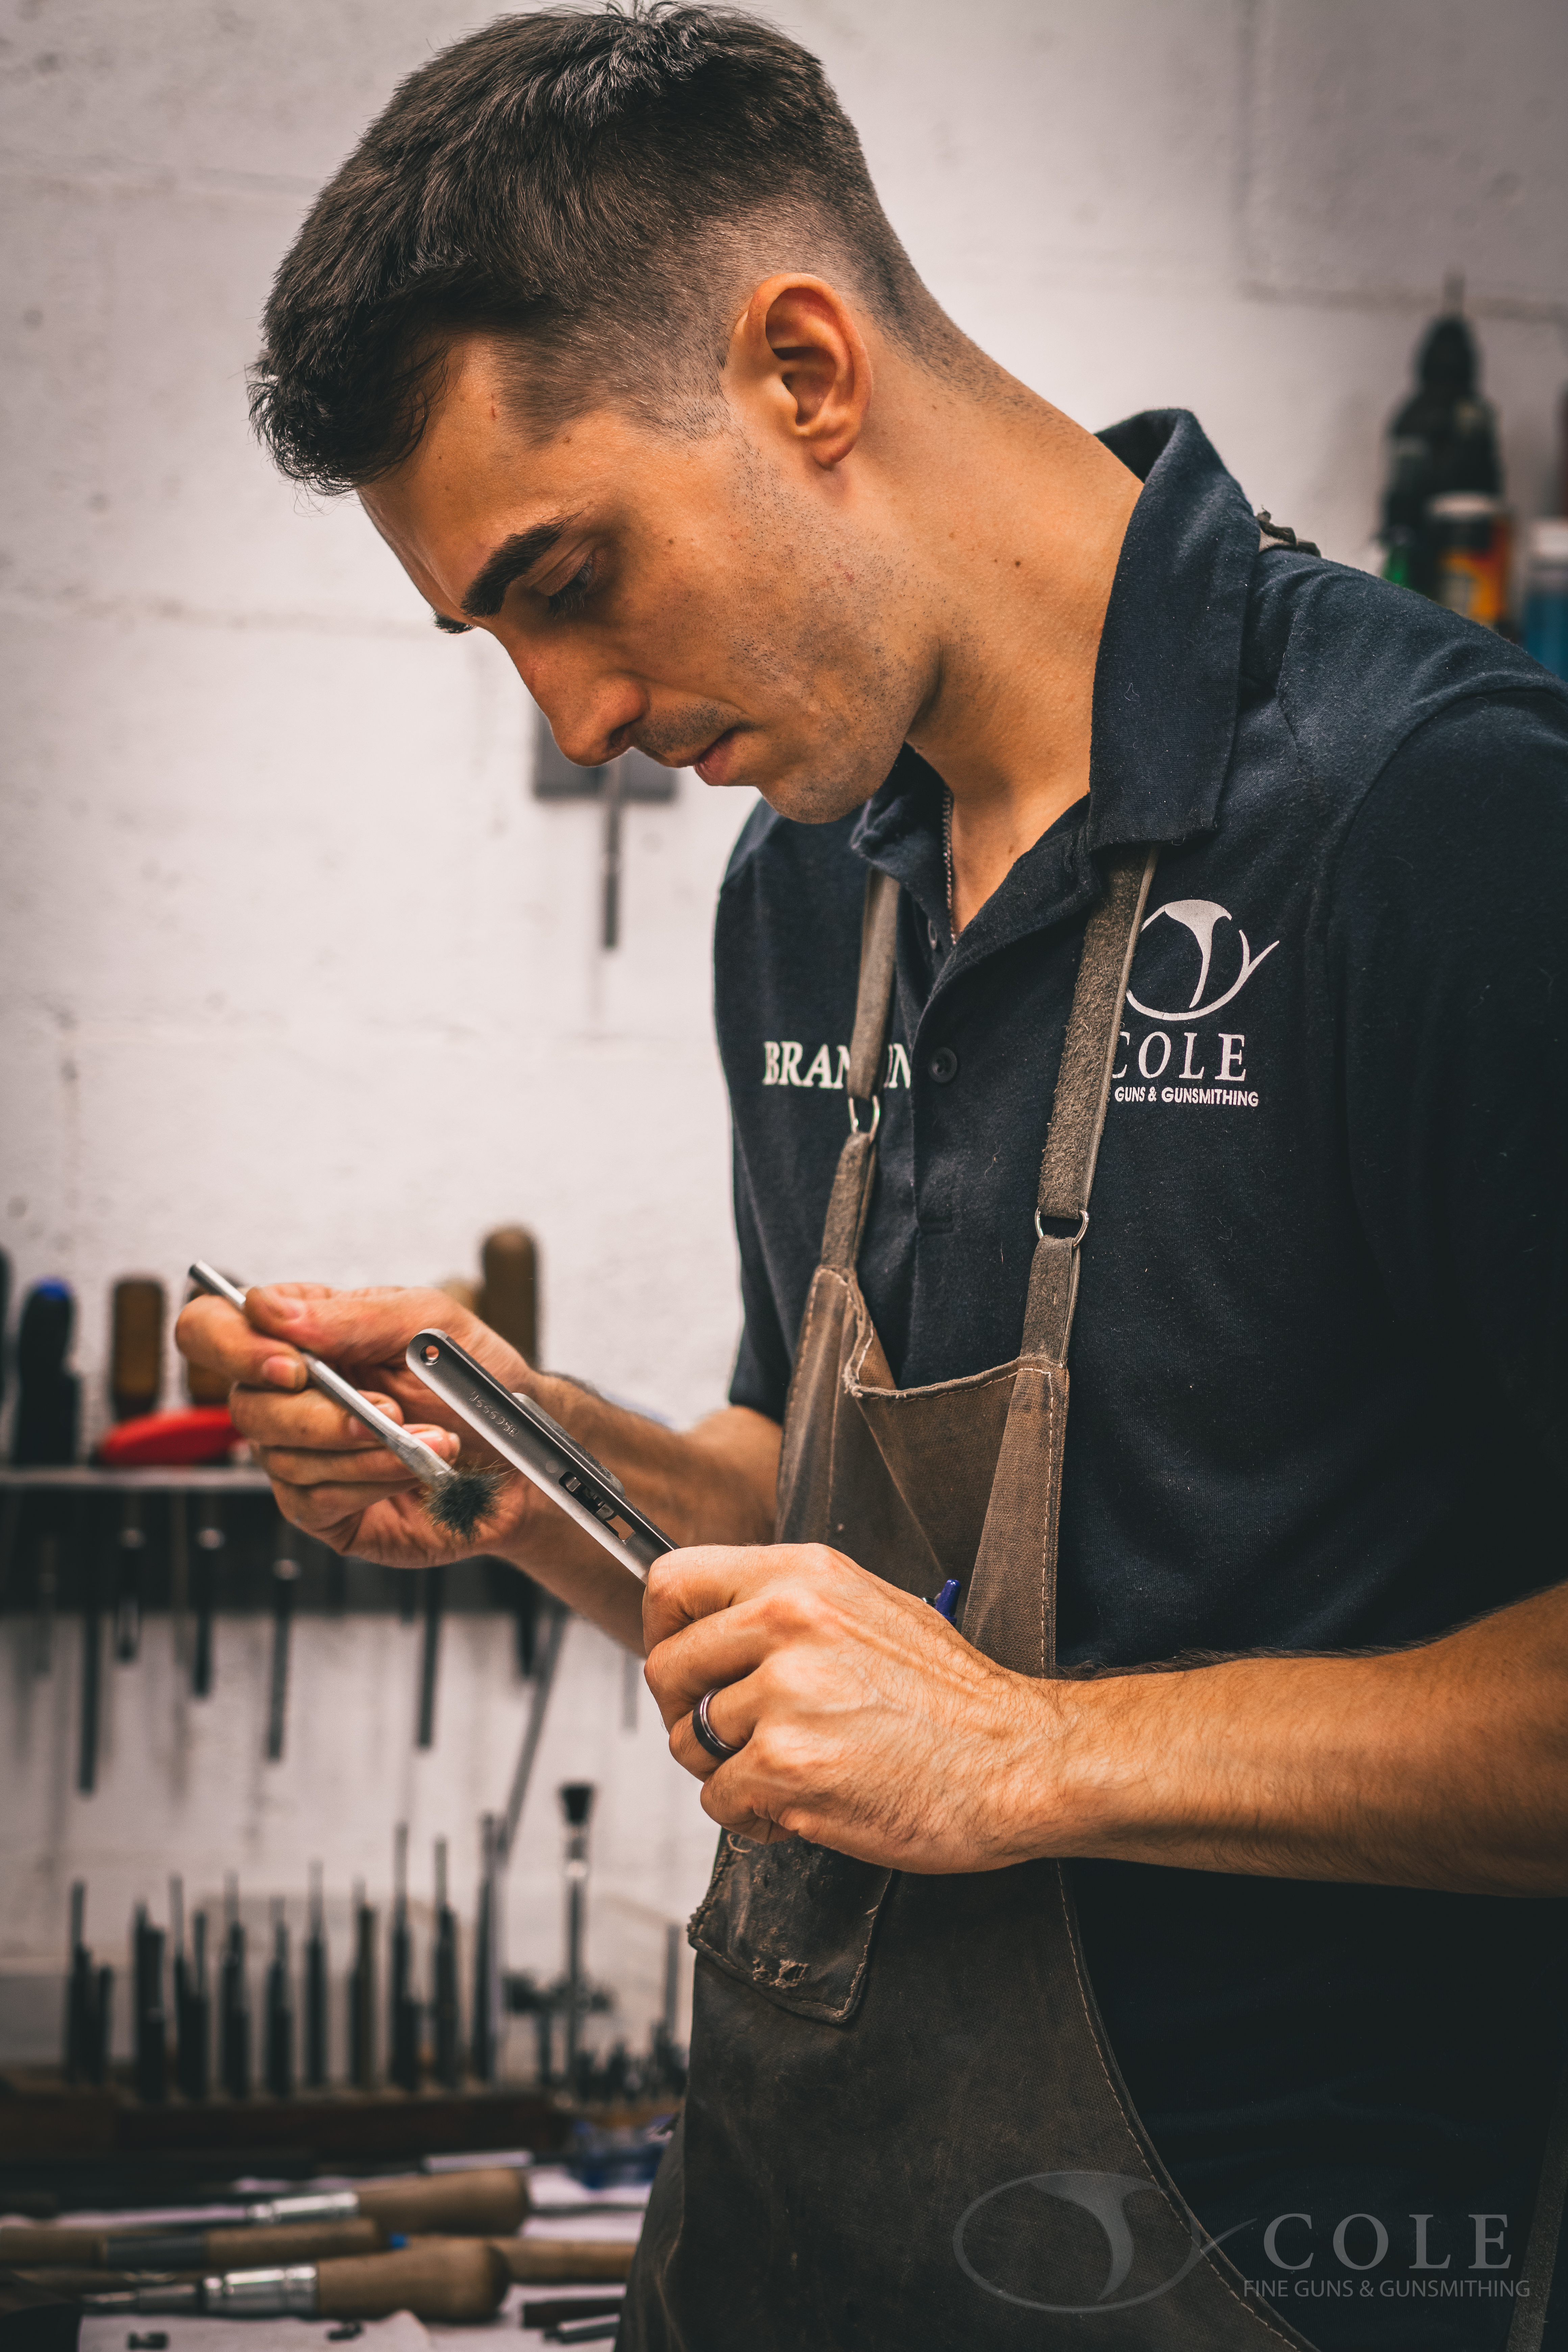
(1357, 669)
(1458, 851)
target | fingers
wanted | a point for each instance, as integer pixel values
(732, 1713)
(369, 1466)
(714, 1613)
(714, 1655)
(268, 1417)
(334, 1512)
(356, 1328)
(698, 1581)
(212, 1333)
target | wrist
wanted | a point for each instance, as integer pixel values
(1068, 1785)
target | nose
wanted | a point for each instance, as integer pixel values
(591, 715)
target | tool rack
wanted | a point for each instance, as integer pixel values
(198, 1544)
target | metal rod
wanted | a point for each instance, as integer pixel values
(128, 1581)
(412, 1452)
(210, 1542)
(316, 1986)
(448, 2056)
(92, 1663)
(285, 1576)
(545, 1664)
(430, 1654)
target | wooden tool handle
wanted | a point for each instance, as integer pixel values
(136, 1350)
(556, 2261)
(491, 2203)
(441, 2278)
(25, 2249)
(509, 1294)
(289, 2241)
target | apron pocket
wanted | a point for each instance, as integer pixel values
(794, 1921)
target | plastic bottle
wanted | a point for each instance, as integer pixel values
(1546, 594)
(1443, 440)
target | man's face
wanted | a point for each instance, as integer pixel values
(720, 602)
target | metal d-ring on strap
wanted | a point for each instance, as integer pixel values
(1078, 1108)
(1073, 1240)
(706, 1735)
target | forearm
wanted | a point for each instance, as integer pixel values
(713, 1483)
(1441, 1767)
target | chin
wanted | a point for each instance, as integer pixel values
(816, 799)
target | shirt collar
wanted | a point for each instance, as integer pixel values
(1167, 676)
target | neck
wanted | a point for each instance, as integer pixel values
(1018, 545)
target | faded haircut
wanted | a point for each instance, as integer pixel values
(599, 190)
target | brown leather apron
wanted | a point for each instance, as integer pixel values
(905, 2130)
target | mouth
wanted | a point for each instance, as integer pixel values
(714, 764)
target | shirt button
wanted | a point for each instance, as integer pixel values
(943, 1065)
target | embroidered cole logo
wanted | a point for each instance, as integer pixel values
(1201, 916)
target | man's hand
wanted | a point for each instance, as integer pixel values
(330, 1477)
(868, 1724)
(335, 1481)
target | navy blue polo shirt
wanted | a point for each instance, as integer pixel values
(1320, 1367)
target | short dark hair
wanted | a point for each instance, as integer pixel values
(591, 186)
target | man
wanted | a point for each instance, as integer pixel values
(1027, 1975)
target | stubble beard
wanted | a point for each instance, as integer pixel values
(826, 656)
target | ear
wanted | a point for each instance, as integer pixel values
(798, 353)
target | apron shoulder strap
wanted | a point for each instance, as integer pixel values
(1078, 1109)
(851, 1193)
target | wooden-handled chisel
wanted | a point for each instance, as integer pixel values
(445, 2279)
(230, 2248)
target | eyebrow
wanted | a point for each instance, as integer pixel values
(514, 556)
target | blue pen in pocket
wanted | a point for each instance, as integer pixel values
(946, 1602)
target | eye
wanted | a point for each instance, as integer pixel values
(575, 593)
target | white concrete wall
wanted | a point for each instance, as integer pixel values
(296, 974)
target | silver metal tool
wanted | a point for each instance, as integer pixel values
(535, 1444)
(269, 2294)
(412, 1452)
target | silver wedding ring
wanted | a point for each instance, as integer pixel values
(706, 1735)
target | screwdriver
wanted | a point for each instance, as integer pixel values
(210, 1541)
(149, 2023)
(196, 2018)
(448, 2054)
(279, 2012)
(316, 1987)
(490, 2202)
(136, 1347)
(56, 2247)
(133, 1543)
(435, 1583)
(285, 1576)
(361, 1996)
(91, 1665)
(404, 2069)
(451, 2278)
(234, 2000)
